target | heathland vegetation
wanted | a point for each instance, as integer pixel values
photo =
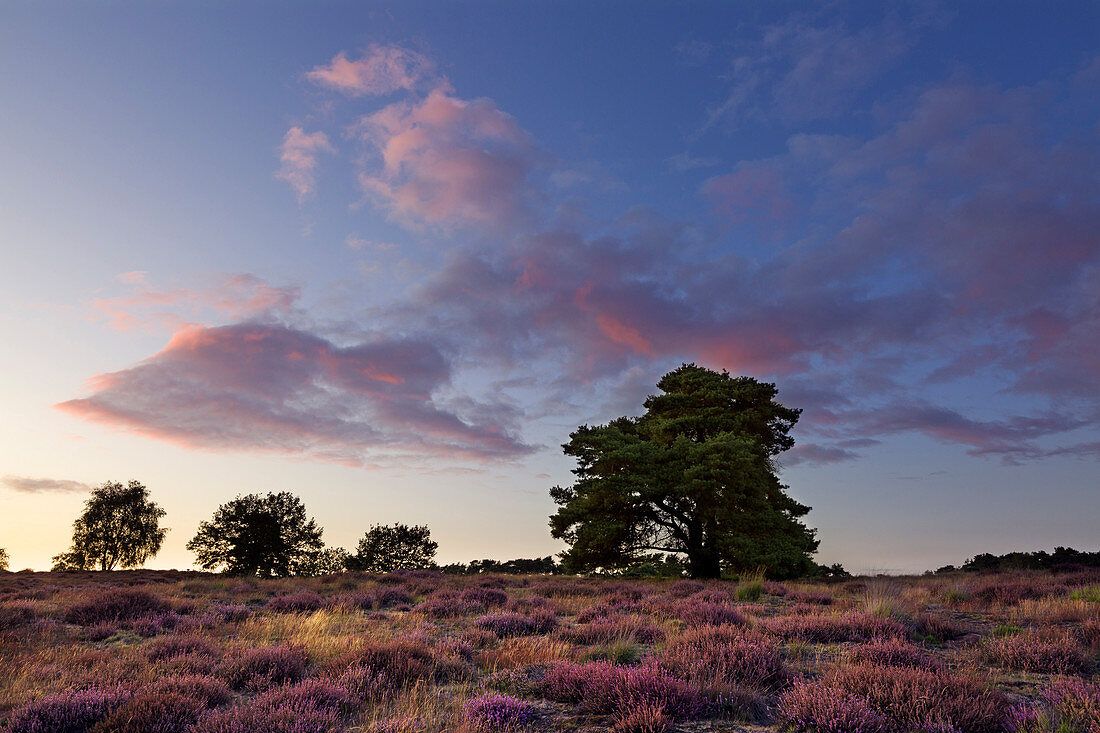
(687, 600)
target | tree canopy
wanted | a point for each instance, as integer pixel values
(266, 536)
(695, 475)
(3, 559)
(384, 549)
(120, 527)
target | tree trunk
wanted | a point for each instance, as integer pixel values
(703, 564)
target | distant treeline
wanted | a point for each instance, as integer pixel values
(1062, 557)
(519, 566)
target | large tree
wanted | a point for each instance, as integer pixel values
(695, 475)
(384, 549)
(120, 527)
(266, 536)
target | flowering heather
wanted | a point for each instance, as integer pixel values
(892, 653)
(210, 691)
(488, 597)
(152, 713)
(916, 698)
(74, 711)
(852, 626)
(115, 606)
(307, 695)
(1030, 654)
(493, 712)
(941, 628)
(388, 596)
(531, 603)
(821, 708)
(604, 688)
(1011, 591)
(518, 624)
(179, 646)
(719, 655)
(401, 662)
(645, 718)
(700, 612)
(685, 588)
(626, 628)
(262, 668)
(15, 614)
(258, 716)
(449, 604)
(301, 602)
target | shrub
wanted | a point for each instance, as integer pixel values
(646, 718)
(115, 606)
(210, 691)
(632, 628)
(717, 656)
(893, 653)
(517, 624)
(258, 716)
(685, 588)
(307, 695)
(493, 712)
(258, 669)
(836, 629)
(178, 646)
(488, 597)
(16, 614)
(918, 698)
(941, 628)
(74, 711)
(152, 713)
(400, 662)
(392, 596)
(1030, 654)
(698, 612)
(449, 604)
(301, 602)
(603, 688)
(820, 708)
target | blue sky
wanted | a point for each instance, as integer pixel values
(388, 256)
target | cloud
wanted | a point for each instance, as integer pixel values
(228, 297)
(749, 192)
(253, 386)
(448, 162)
(28, 485)
(298, 155)
(817, 454)
(380, 70)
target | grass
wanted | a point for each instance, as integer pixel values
(424, 652)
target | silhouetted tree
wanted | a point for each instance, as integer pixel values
(326, 562)
(384, 549)
(3, 559)
(268, 536)
(120, 527)
(695, 475)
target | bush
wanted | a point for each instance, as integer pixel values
(517, 624)
(152, 713)
(717, 656)
(210, 691)
(493, 712)
(836, 629)
(647, 718)
(180, 646)
(699, 612)
(627, 628)
(603, 688)
(115, 606)
(893, 653)
(74, 711)
(820, 708)
(301, 602)
(259, 669)
(1030, 654)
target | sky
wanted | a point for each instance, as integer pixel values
(387, 256)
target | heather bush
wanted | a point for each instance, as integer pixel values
(645, 718)
(392, 596)
(631, 628)
(307, 695)
(164, 712)
(449, 604)
(517, 624)
(853, 626)
(685, 588)
(401, 662)
(488, 597)
(156, 623)
(72, 711)
(699, 612)
(531, 603)
(363, 600)
(918, 698)
(816, 707)
(599, 687)
(941, 628)
(1028, 653)
(720, 655)
(1012, 591)
(116, 605)
(493, 712)
(301, 602)
(16, 614)
(258, 716)
(210, 691)
(616, 652)
(1068, 705)
(261, 668)
(180, 646)
(892, 653)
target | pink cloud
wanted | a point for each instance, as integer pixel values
(231, 297)
(298, 155)
(28, 485)
(273, 388)
(380, 70)
(448, 162)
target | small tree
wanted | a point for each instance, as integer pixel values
(3, 559)
(120, 527)
(268, 536)
(400, 547)
(328, 561)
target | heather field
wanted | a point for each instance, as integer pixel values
(421, 651)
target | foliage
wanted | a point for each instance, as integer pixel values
(519, 566)
(268, 536)
(328, 561)
(384, 549)
(1041, 560)
(695, 475)
(120, 527)
(4, 559)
